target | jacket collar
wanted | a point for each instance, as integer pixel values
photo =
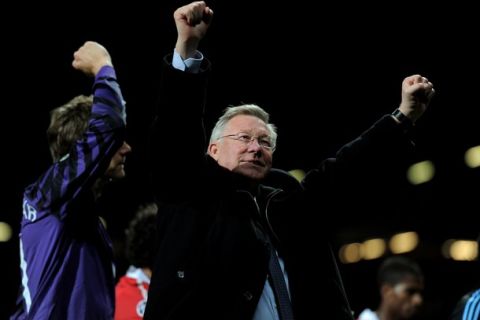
(225, 180)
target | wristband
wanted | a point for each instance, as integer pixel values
(401, 118)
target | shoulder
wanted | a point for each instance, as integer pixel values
(368, 314)
(281, 179)
(467, 306)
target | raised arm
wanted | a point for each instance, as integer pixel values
(381, 153)
(87, 152)
(178, 140)
(192, 22)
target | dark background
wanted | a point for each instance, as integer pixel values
(324, 74)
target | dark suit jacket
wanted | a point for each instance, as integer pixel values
(212, 255)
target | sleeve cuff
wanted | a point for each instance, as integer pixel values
(190, 65)
(106, 71)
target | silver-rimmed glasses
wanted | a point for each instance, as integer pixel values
(263, 141)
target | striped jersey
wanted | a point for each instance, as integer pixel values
(65, 251)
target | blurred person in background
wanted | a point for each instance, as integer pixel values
(468, 307)
(131, 291)
(400, 283)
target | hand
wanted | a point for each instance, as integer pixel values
(192, 21)
(417, 92)
(90, 58)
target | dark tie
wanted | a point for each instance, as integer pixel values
(284, 305)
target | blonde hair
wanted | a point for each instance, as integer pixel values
(67, 124)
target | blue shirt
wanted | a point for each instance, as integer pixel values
(471, 310)
(65, 252)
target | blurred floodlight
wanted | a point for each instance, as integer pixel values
(373, 248)
(464, 250)
(299, 174)
(350, 253)
(403, 242)
(446, 248)
(5, 232)
(472, 157)
(421, 172)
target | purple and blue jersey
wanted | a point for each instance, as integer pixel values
(65, 251)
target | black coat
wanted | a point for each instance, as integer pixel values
(212, 255)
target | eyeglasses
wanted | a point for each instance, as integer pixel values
(265, 142)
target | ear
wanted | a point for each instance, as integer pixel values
(385, 290)
(213, 151)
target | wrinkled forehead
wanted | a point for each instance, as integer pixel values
(248, 124)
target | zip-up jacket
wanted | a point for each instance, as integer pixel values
(212, 256)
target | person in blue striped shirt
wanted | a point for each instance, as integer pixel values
(468, 307)
(65, 251)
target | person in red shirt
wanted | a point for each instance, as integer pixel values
(131, 291)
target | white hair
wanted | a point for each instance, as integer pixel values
(244, 109)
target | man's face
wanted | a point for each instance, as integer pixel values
(243, 147)
(116, 168)
(406, 297)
